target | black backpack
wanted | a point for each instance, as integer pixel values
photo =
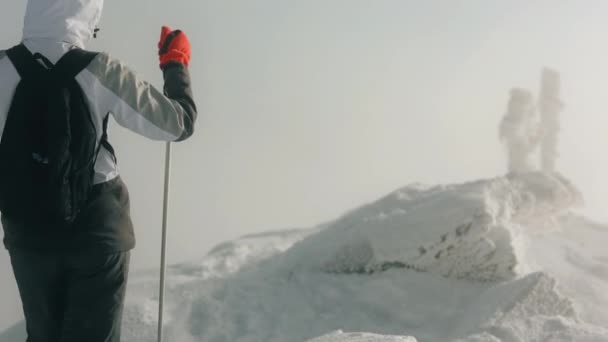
(49, 144)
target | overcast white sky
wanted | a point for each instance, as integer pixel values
(309, 108)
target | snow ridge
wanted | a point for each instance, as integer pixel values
(470, 231)
(496, 260)
(460, 257)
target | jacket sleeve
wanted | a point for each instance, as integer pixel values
(137, 105)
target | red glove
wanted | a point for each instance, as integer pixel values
(173, 46)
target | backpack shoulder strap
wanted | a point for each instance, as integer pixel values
(72, 63)
(66, 69)
(24, 61)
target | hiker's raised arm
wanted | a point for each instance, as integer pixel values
(167, 115)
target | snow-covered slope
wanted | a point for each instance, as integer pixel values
(340, 336)
(495, 260)
(473, 231)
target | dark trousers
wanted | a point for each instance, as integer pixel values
(71, 298)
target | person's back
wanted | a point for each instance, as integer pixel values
(72, 281)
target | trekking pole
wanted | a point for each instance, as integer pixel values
(163, 253)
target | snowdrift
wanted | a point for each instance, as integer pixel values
(471, 231)
(504, 259)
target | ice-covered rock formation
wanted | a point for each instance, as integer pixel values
(471, 231)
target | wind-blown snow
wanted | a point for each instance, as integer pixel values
(230, 257)
(495, 260)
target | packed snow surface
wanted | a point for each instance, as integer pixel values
(339, 336)
(504, 259)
